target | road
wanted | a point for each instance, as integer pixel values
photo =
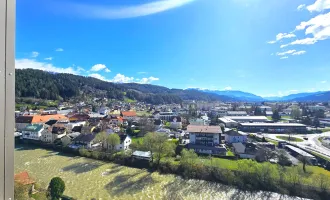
(312, 144)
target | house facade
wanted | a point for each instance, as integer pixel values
(33, 132)
(205, 139)
(235, 137)
(125, 141)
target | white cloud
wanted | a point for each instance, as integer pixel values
(59, 49)
(284, 57)
(33, 64)
(34, 54)
(319, 6)
(107, 70)
(286, 52)
(80, 69)
(228, 88)
(280, 36)
(98, 76)
(148, 80)
(118, 12)
(299, 53)
(120, 78)
(302, 6)
(49, 58)
(98, 67)
(284, 45)
(323, 81)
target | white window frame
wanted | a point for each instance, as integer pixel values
(7, 98)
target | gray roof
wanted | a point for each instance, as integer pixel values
(274, 124)
(239, 147)
(145, 154)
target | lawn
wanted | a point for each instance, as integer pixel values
(230, 153)
(287, 138)
(127, 100)
(39, 196)
(143, 113)
(325, 130)
(272, 141)
(137, 139)
(220, 162)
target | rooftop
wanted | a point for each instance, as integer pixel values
(246, 117)
(203, 129)
(273, 124)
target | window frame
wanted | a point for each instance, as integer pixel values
(7, 98)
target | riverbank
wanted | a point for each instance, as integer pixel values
(87, 178)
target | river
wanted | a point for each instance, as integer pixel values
(86, 179)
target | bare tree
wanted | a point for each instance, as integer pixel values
(265, 154)
(304, 161)
(146, 125)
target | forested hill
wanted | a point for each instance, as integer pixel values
(53, 86)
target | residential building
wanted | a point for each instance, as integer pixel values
(269, 113)
(128, 114)
(58, 132)
(125, 141)
(142, 155)
(205, 139)
(316, 107)
(273, 127)
(85, 140)
(33, 131)
(46, 136)
(165, 115)
(237, 113)
(198, 122)
(265, 108)
(235, 137)
(176, 123)
(79, 117)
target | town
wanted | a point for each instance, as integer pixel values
(286, 133)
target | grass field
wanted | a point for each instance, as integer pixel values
(143, 113)
(127, 100)
(137, 139)
(287, 138)
(272, 141)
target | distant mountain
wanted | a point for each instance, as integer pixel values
(238, 95)
(317, 97)
(292, 97)
(57, 86)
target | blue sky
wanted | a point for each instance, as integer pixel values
(270, 48)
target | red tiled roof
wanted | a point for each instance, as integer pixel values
(128, 113)
(23, 178)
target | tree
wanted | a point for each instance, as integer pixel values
(158, 145)
(265, 154)
(283, 158)
(101, 137)
(146, 125)
(257, 111)
(188, 158)
(304, 161)
(307, 121)
(56, 188)
(276, 116)
(295, 112)
(264, 112)
(113, 140)
(319, 113)
(316, 122)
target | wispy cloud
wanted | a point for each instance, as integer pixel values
(299, 53)
(34, 54)
(33, 64)
(284, 57)
(302, 6)
(142, 72)
(49, 58)
(107, 70)
(59, 49)
(228, 88)
(148, 80)
(131, 11)
(286, 52)
(280, 36)
(323, 81)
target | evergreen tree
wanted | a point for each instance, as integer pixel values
(276, 116)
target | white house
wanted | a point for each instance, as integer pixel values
(235, 137)
(46, 136)
(125, 141)
(33, 132)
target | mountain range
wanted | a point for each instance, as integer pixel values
(56, 86)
